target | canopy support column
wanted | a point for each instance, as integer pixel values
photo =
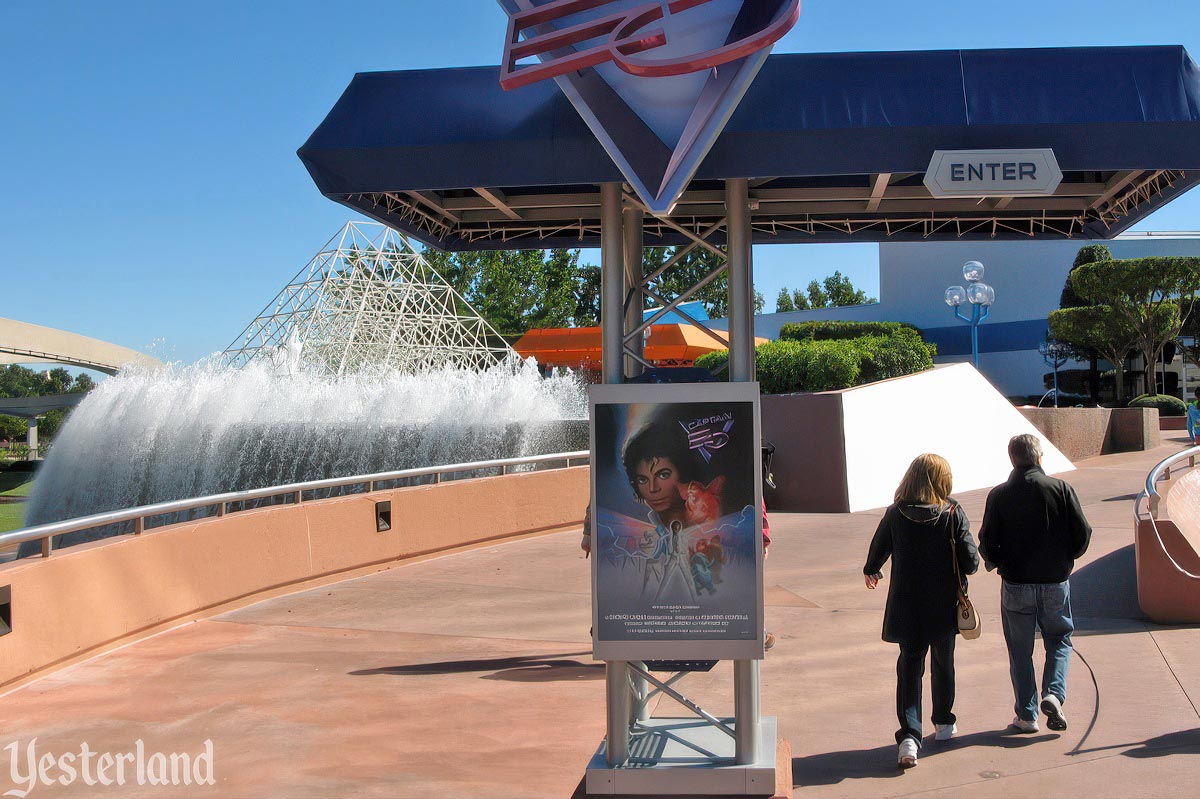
(741, 369)
(612, 335)
(741, 281)
(612, 283)
(634, 298)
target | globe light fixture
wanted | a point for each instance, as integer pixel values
(979, 295)
(972, 271)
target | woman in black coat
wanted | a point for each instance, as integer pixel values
(921, 532)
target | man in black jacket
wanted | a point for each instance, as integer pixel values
(1033, 530)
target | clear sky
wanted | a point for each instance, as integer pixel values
(151, 190)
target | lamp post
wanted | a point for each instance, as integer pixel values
(1055, 355)
(980, 295)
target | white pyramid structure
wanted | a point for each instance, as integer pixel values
(367, 302)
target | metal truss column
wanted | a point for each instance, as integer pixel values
(741, 281)
(632, 241)
(612, 334)
(612, 283)
(741, 369)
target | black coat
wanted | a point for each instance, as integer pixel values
(922, 598)
(1033, 529)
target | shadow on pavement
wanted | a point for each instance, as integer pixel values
(526, 668)
(831, 768)
(1106, 589)
(1181, 742)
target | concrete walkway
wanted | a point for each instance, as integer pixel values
(471, 675)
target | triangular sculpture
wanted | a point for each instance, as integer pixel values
(655, 81)
(367, 302)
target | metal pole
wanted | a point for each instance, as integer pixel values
(1056, 382)
(616, 687)
(975, 335)
(612, 282)
(746, 711)
(612, 334)
(741, 369)
(632, 239)
(741, 281)
(641, 691)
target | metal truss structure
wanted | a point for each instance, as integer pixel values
(879, 207)
(367, 302)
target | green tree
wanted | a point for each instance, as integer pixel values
(841, 292)
(817, 298)
(835, 291)
(783, 302)
(1097, 329)
(1151, 295)
(587, 303)
(19, 381)
(800, 300)
(1088, 254)
(515, 290)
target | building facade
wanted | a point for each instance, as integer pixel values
(1028, 278)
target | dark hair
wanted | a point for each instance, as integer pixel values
(657, 440)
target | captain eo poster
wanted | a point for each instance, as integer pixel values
(677, 522)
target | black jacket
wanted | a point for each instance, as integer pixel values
(1033, 528)
(921, 595)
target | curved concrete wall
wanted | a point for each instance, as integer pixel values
(1168, 563)
(94, 596)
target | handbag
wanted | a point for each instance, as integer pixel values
(969, 626)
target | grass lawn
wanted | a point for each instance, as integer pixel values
(12, 516)
(15, 484)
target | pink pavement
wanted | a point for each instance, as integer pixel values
(471, 675)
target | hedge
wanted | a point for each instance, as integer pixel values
(785, 367)
(1166, 404)
(839, 330)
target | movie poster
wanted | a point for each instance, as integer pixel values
(676, 520)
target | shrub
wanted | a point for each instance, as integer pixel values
(785, 367)
(835, 330)
(1166, 404)
(881, 358)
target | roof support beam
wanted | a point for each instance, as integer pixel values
(879, 184)
(433, 201)
(497, 198)
(1115, 184)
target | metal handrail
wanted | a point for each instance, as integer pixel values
(1161, 471)
(44, 532)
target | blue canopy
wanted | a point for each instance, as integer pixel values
(814, 132)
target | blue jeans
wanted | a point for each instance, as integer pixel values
(1024, 607)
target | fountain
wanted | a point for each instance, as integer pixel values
(188, 431)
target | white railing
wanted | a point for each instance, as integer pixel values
(285, 494)
(1161, 471)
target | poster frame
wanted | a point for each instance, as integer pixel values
(695, 649)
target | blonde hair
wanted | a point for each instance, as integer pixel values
(927, 482)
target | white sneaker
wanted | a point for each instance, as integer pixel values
(1025, 726)
(1055, 718)
(907, 755)
(946, 731)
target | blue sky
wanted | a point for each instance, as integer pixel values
(151, 187)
